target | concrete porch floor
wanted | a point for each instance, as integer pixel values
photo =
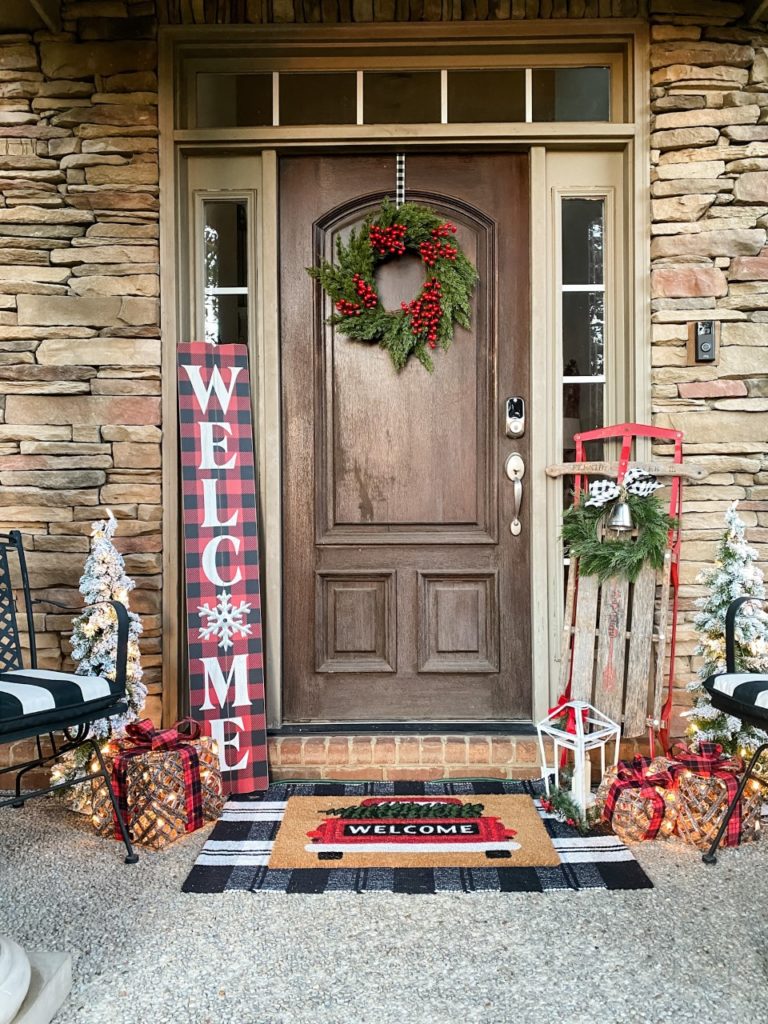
(691, 949)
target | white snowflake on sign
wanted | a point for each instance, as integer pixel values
(225, 620)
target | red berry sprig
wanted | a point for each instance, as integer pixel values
(431, 252)
(365, 292)
(347, 308)
(388, 241)
(436, 250)
(426, 311)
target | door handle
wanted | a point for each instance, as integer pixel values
(514, 467)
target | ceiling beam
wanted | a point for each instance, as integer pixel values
(50, 12)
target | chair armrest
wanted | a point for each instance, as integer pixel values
(730, 626)
(123, 625)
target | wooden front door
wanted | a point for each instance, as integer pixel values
(406, 596)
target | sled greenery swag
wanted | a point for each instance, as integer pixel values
(605, 556)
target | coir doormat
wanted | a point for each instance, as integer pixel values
(412, 831)
(405, 837)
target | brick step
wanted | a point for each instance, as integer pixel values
(381, 757)
(387, 757)
(392, 757)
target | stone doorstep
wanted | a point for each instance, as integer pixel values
(49, 986)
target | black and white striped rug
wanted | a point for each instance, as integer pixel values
(236, 855)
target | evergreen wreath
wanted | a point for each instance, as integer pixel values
(607, 557)
(426, 321)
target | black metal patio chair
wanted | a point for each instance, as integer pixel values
(745, 695)
(37, 702)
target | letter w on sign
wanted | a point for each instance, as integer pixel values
(221, 559)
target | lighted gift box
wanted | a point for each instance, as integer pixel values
(168, 782)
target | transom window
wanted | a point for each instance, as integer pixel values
(403, 96)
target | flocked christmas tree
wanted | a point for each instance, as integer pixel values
(94, 640)
(734, 574)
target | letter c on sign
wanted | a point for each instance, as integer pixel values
(209, 560)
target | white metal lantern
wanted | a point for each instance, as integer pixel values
(592, 731)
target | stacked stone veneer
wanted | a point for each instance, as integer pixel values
(79, 308)
(709, 97)
(79, 285)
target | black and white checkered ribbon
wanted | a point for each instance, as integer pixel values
(636, 481)
(400, 180)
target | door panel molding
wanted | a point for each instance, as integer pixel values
(336, 496)
(458, 622)
(355, 622)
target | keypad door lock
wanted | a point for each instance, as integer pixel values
(515, 417)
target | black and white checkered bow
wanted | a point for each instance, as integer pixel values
(636, 481)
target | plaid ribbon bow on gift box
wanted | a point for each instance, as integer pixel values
(634, 775)
(144, 738)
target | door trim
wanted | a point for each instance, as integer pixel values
(175, 146)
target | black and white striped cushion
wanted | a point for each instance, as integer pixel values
(36, 694)
(740, 693)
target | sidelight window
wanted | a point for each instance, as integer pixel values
(225, 271)
(582, 315)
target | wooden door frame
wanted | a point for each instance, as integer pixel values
(631, 138)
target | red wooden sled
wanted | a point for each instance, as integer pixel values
(628, 622)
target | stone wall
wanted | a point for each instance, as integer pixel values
(709, 202)
(79, 308)
(79, 285)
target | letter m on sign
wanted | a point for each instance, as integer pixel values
(221, 559)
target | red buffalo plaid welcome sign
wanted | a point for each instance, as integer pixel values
(221, 554)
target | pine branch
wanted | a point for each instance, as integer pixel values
(561, 803)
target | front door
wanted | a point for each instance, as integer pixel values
(406, 595)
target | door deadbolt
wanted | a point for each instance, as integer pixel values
(514, 466)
